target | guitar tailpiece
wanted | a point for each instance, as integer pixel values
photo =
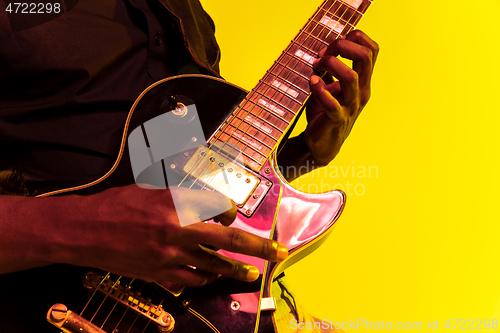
(70, 322)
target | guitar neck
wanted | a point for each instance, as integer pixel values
(261, 120)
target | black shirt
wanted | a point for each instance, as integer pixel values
(67, 83)
(68, 80)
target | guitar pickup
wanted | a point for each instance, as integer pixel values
(211, 167)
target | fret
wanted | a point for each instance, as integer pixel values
(305, 56)
(355, 3)
(309, 40)
(261, 119)
(364, 6)
(265, 125)
(283, 85)
(332, 24)
(328, 14)
(230, 141)
(352, 4)
(268, 116)
(321, 31)
(275, 109)
(344, 18)
(258, 102)
(277, 103)
(359, 18)
(305, 48)
(254, 132)
(245, 149)
(252, 143)
(260, 123)
(276, 122)
(292, 61)
(291, 79)
(344, 12)
(245, 157)
(255, 139)
(302, 72)
(245, 142)
(285, 90)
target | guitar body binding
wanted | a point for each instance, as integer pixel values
(301, 221)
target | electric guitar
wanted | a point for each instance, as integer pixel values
(75, 299)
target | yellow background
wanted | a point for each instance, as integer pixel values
(421, 242)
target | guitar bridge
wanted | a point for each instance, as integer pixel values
(133, 301)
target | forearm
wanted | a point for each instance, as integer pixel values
(35, 231)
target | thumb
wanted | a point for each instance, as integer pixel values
(217, 206)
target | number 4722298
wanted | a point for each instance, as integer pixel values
(471, 324)
(33, 8)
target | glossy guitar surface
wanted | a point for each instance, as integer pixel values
(298, 220)
(256, 122)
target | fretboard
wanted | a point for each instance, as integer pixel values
(260, 121)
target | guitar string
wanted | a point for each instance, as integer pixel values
(137, 316)
(109, 314)
(353, 25)
(308, 35)
(284, 67)
(124, 313)
(315, 41)
(250, 95)
(95, 291)
(105, 297)
(228, 123)
(241, 121)
(133, 323)
(194, 313)
(233, 115)
(159, 305)
(247, 98)
(114, 306)
(350, 27)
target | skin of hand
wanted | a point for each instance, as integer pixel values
(136, 232)
(337, 103)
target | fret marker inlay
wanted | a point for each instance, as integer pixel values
(305, 56)
(355, 3)
(332, 24)
(262, 118)
(272, 107)
(283, 87)
(247, 140)
(258, 124)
